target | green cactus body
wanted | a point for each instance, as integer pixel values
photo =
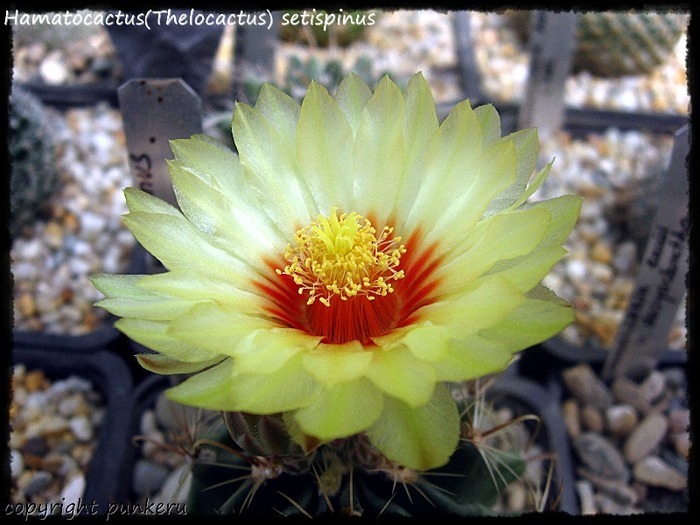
(258, 470)
(33, 176)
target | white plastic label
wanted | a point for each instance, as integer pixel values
(661, 282)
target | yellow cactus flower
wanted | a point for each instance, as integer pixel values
(351, 258)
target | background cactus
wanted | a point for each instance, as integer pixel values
(613, 44)
(33, 174)
(296, 78)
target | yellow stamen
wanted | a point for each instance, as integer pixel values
(341, 255)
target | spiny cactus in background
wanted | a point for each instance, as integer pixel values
(297, 76)
(33, 173)
(613, 44)
(250, 465)
(327, 28)
(299, 73)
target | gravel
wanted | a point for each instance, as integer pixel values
(632, 456)
(54, 425)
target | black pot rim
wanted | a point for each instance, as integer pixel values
(570, 353)
(102, 337)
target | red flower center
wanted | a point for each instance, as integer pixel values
(345, 283)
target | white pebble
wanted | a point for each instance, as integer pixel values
(25, 271)
(81, 248)
(576, 269)
(148, 422)
(102, 141)
(111, 262)
(625, 256)
(53, 69)
(176, 487)
(73, 490)
(91, 224)
(81, 428)
(602, 272)
(69, 405)
(28, 249)
(16, 463)
(79, 266)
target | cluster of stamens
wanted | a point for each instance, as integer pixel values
(342, 256)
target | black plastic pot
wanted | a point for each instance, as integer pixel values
(541, 361)
(106, 476)
(144, 397)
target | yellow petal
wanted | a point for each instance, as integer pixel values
(472, 357)
(221, 388)
(484, 304)
(330, 364)
(161, 364)
(166, 236)
(209, 326)
(265, 351)
(379, 152)
(401, 375)
(270, 167)
(352, 96)
(531, 323)
(324, 149)
(289, 388)
(420, 438)
(154, 335)
(427, 341)
(341, 410)
(500, 237)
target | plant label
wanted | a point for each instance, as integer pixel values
(661, 282)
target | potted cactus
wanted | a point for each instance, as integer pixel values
(344, 270)
(248, 464)
(47, 284)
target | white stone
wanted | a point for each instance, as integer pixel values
(91, 224)
(16, 463)
(53, 69)
(79, 266)
(654, 471)
(28, 249)
(576, 269)
(111, 262)
(25, 271)
(148, 422)
(73, 490)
